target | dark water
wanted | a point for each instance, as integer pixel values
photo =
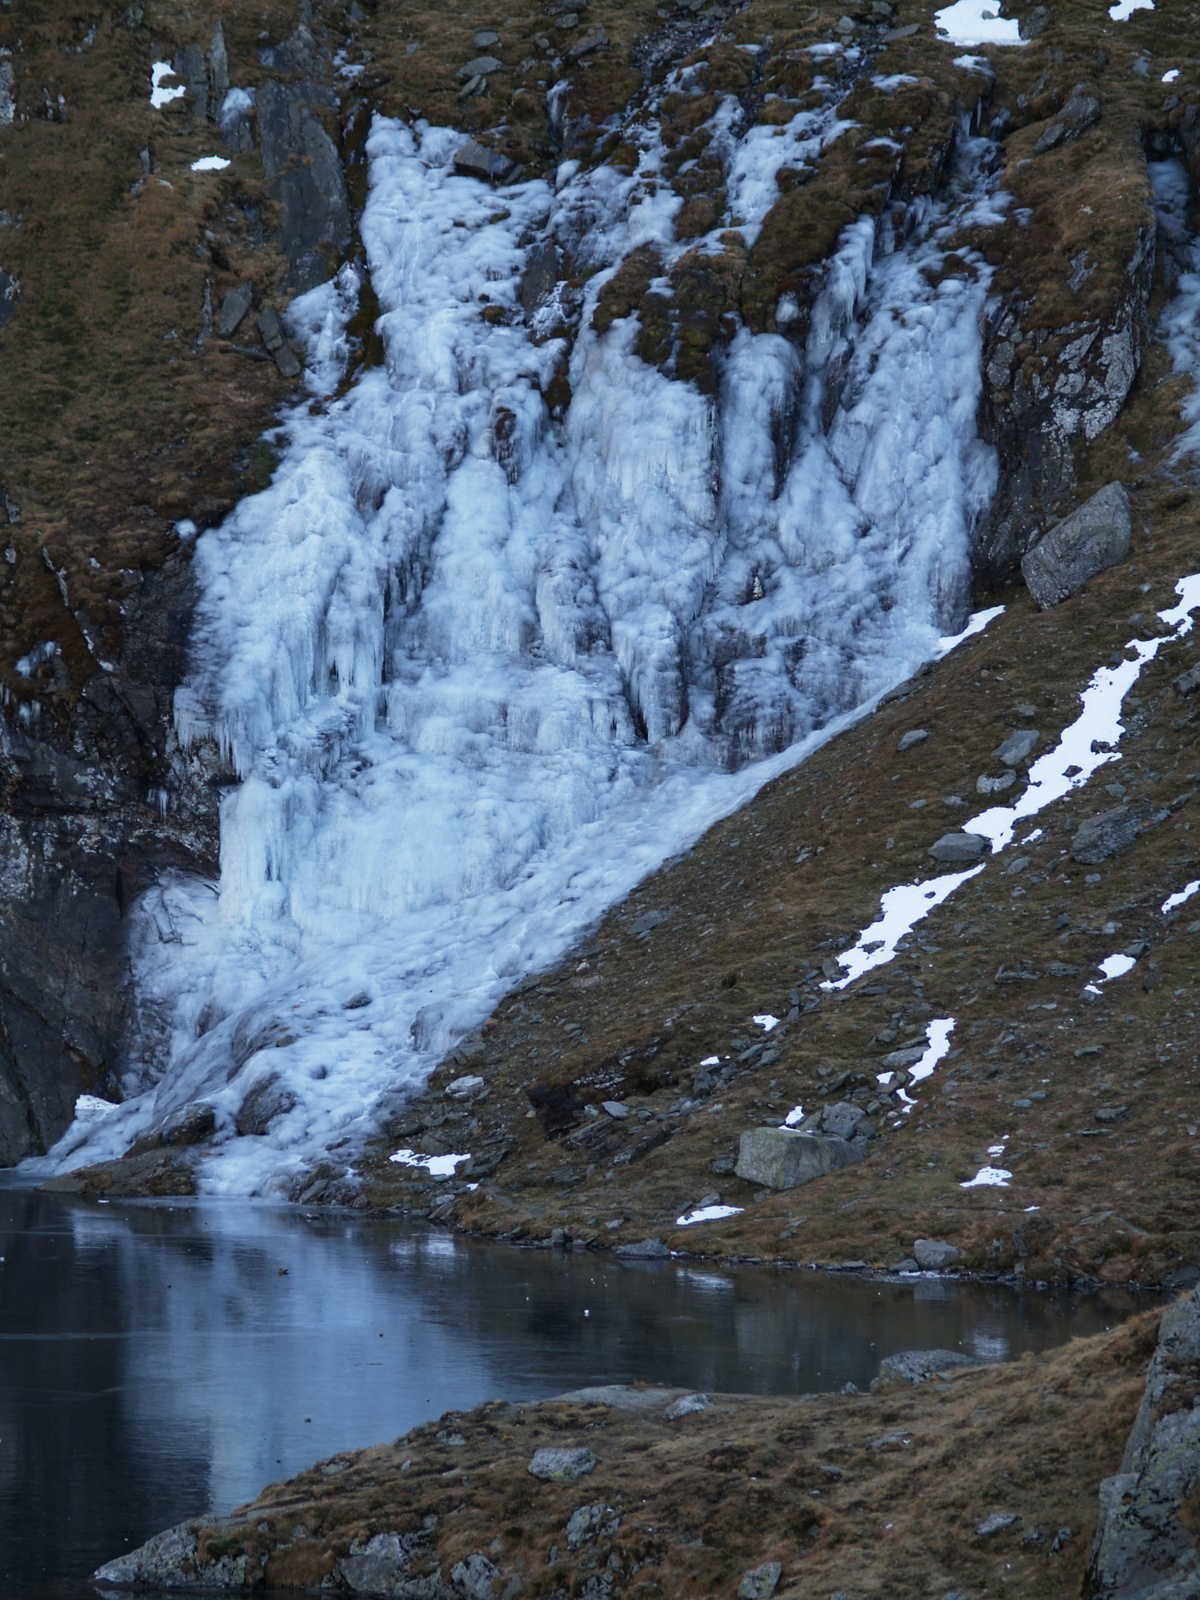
(161, 1360)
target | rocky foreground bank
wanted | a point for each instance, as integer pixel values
(1067, 1474)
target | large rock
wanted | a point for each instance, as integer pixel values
(781, 1158)
(475, 160)
(1144, 1545)
(1089, 541)
(1102, 836)
(959, 847)
(305, 176)
(918, 1366)
(934, 1254)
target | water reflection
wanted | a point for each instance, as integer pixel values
(159, 1360)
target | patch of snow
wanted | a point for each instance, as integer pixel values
(900, 910)
(988, 1178)
(708, 1214)
(979, 621)
(1090, 741)
(159, 96)
(766, 1021)
(1181, 895)
(1117, 966)
(711, 1061)
(938, 1033)
(975, 22)
(1169, 77)
(975, 64)
(891, 81)
(436, 1166)
(237, 103)
(1124, 9)
(794, 1116)
(210, 164)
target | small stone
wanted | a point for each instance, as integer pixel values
(914, 736)
(585, 47)
(1064, 969)
(686, 1406)
(233, 308)
(1188, 682)
(479, 68)
(645, 1249)
(1022, 1104)
(760, 1583)
(1033, 22)
(1018, 747)
(615, 1109)
(561, 1466)
(270, 329)
(844, 25)
(1089, 541)
(934, 1254)
(995, 1524)
(485, 39)
(959, 847)
(461, 1088)
(648, 921)
(1025, 710)
(1016, 866)
(473, 86)
(906, 32)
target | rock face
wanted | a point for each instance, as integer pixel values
(302, 165)
(1114, 830)
(779, 1158)
(1145, 1546)
(1093, 539)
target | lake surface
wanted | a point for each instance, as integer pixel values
(160, 1360)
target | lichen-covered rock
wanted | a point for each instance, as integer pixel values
(1089, 541)
(560, 1466)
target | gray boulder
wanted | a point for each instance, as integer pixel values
(1018, 747)
(843, 1120)
(480, 68)
(917, 1366)
(233, 308)
(1089, 541)
(1188, 682)
(781, 1158)
(934, 1254)
(475, 160)
(959, 847)
(562, 1466)
(1143, 1546)
(915, 736)
(760, 1583)
(644, 1249)
(1102, 836)
(170, 1560)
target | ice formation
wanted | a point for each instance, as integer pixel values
(479, 667)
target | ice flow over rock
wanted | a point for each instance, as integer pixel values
(479, 667)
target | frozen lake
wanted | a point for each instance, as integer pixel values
(158, 1360)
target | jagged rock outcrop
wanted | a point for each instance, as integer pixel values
(1145, 1547)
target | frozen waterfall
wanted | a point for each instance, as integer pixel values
(479, 668)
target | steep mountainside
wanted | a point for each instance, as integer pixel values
(808, 325)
